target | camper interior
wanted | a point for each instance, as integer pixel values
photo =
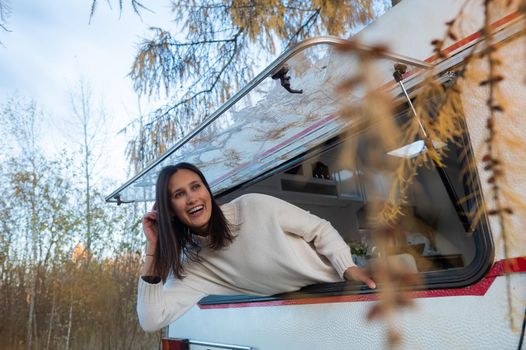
(324, 183)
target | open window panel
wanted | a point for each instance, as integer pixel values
(439, 240)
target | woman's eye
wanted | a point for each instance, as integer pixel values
(178, 195)
(196, 186)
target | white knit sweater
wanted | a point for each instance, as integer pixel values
(277, 248)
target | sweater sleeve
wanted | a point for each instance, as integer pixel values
(158, 305)
(326, 240)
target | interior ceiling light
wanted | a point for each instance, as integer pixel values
(413, 149)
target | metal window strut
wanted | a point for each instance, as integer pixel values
(399, 71)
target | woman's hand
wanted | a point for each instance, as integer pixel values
(358, 274)
(149, 226)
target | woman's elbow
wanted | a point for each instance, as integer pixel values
(149, 324)
(147, 327)
(150, 318)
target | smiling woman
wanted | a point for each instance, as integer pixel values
(255, 244)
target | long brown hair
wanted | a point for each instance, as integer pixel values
(175, 241)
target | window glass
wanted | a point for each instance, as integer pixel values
(436, 232)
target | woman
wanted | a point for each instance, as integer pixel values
(256, 244)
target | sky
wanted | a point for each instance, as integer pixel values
(51, 46)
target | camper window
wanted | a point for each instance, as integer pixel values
(438, 241)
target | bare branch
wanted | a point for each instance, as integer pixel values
(304, 27)
(5, 12)
(136, 5)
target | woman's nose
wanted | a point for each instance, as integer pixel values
(190, 198)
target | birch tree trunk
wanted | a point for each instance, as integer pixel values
(69, 325)
(50, 329)
(32, 293)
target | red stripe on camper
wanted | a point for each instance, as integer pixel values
(447, 51)
(514, 265)
(500, 268)
(459, 44)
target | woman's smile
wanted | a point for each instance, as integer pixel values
(196, 210)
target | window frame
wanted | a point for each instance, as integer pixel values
(432, 280)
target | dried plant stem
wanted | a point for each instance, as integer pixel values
(492, 157)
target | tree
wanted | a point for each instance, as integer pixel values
(90, 126)
(22, 123)
(223, 42)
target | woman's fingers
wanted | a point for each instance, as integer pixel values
(359, 274)
(370, 283)
(364, 277)
(151, 215)
(149, 225)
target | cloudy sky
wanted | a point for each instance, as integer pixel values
(52, 46)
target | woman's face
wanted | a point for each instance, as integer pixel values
(190, 200)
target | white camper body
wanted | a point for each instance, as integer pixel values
(455, 309)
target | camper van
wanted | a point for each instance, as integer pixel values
(284, 135)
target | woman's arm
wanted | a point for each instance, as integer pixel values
(158, 305)
(148, 269)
